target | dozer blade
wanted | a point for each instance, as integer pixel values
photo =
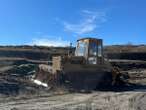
(86, 76)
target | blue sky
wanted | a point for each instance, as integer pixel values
(58, 22)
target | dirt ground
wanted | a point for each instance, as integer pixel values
(17, 93)
(127, 98)
(131, 100)
(30, 97)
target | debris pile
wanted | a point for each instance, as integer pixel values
(17, 81)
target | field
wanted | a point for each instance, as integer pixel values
(18, 92)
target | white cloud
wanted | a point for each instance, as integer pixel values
(50, 42)
(91, 20)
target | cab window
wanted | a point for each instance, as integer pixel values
(99, 50)
(93, 49)
(81, 49)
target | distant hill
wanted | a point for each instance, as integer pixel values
(43, 53)
(32, 52)
(125, 48)
(131, 52)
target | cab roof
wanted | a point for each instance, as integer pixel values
(89, 38)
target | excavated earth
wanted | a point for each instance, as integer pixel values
(18, 92)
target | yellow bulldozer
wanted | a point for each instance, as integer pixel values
(85, 69)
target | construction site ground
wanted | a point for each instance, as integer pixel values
(130, 100)
(22, 94)
(18, 92)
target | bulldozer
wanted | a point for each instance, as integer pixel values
(86, 68)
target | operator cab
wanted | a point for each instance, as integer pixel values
(91, 49)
